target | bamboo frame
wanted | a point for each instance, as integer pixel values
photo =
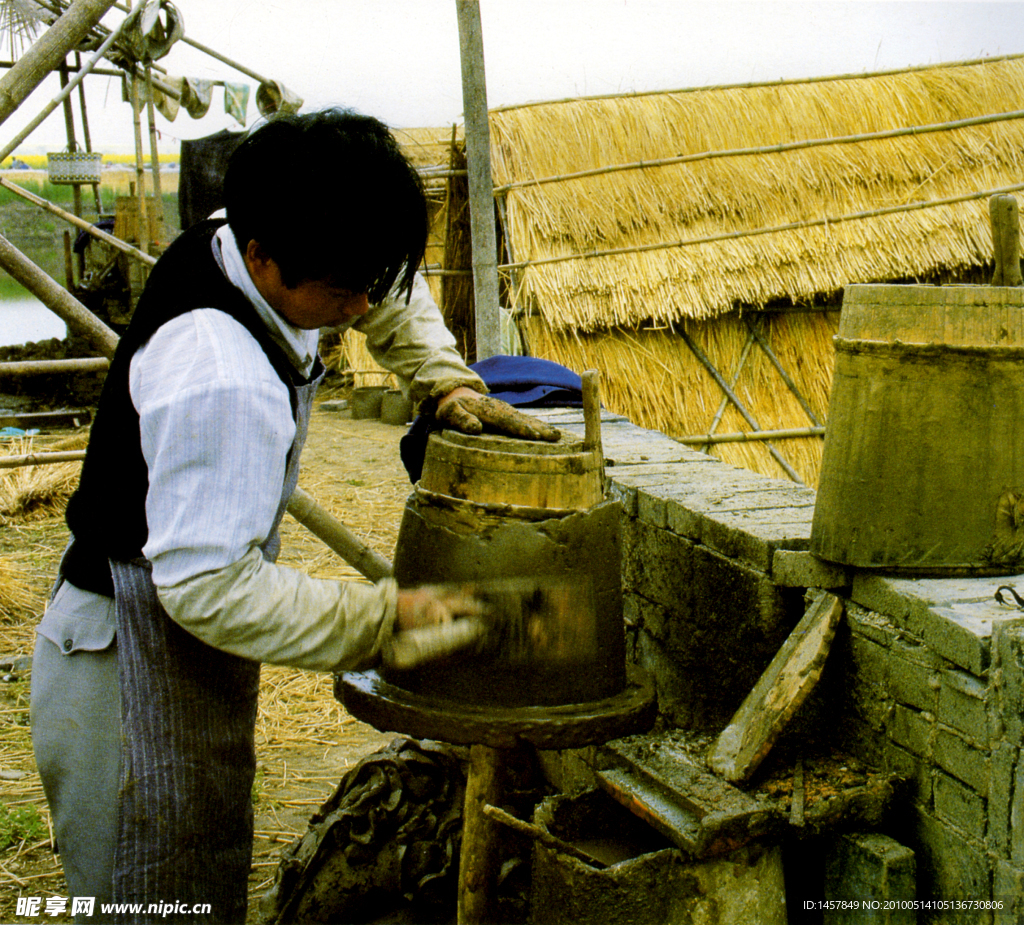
(747, 416)
(756, 232)
(80, 223)
(744, 436)
(768, 149)
(786, 82)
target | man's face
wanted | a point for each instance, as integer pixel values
(313, 303)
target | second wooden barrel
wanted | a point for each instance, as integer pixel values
(920, 469)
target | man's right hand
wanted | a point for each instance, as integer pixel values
(434, 621)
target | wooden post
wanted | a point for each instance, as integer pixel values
(48, 52)
(481, 189)
(478, 859)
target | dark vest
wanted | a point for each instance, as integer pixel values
(107, 513)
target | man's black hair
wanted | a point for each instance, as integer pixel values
(330, 196)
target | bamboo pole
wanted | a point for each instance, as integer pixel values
(769, 149)
(47, 52)
(154, 154)
(56, 298)
(98, 233)
(49, 367)
(786, 82)
(59, 98)
(775, 229)
(140, 175)
(747, 416)
(720, 413)
(481, 194)
(41, 459)
(335, 534)
(742, 437)
(86, 137)
(69, 131)
(777, 363)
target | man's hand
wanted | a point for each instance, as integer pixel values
(468, 411)
(432, 622)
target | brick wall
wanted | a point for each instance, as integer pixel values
(925, 677)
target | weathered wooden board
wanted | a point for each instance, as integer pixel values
(782, 688)
(673, 791)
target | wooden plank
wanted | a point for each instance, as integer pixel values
(783, 687)
(669, 786)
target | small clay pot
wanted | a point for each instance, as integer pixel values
(395, 408)
(365, 401)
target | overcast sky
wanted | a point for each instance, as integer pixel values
(399, 59)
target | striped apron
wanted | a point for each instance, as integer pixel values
(188, 715)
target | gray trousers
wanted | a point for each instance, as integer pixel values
(76, 735)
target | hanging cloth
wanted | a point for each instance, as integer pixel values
(166, 104)
(236, 100)
(196, 95)
(148, 37)
(273, 98)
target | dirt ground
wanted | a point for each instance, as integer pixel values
(305, 740)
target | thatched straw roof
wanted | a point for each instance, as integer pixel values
(710, 196)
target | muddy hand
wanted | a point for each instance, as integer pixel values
(470, 412)
(434, 622)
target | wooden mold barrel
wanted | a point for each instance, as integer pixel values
(492, 508)
(921, 471)
(494, 469)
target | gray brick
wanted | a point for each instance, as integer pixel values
(1008, 646)
(801, 569)
(1017, 816)
(963, 704)
(912, 730)
(682, 520)
(876, 592)
(657, 565)
(960, 758)
(960, 805)
(949, 865)
(866, 679)
(1004, 765)
(754, 536)
(1008, 889)
(912, 680)
(910, 768)
(870, 866)
(870, 624)
(960, 635)
(625, 444)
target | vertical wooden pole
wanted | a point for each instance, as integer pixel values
(481, 189)
(478, 858)
(69, 129)
(154, 153)
(86, 138)
(140, 177)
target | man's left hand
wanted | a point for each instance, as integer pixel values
(468, 411)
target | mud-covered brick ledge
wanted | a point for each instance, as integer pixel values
(952, 616)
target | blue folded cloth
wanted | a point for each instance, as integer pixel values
(520, 381)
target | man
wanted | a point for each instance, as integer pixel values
(146, 672)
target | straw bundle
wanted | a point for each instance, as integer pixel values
(656, 381)
(37, 492)
(741, 193)
(16, 594)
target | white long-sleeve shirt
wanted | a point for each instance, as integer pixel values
(216, 425)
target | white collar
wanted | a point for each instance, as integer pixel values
(298, 344)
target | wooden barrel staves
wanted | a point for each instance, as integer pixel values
(922, 469)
